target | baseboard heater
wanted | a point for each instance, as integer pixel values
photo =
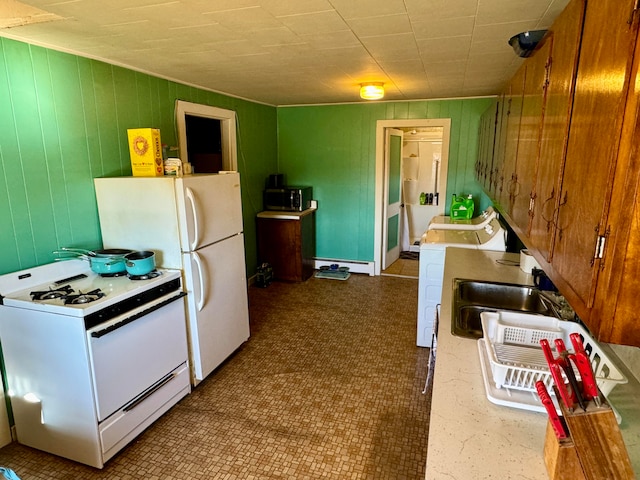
(354, 265)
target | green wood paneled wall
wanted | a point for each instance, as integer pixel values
(332, 148)
(64, 121)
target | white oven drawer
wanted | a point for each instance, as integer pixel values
(122, 427)
(127, 360)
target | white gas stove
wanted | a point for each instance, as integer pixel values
(71, 288)
(91, 361)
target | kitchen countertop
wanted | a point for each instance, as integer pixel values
(284, 215)
(470, 437)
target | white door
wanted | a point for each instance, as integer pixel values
(212, 209)
(218, 312)
(392, 196)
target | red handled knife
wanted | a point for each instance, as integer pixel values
(582, 361)
(568, 397)
(565, 364)
(554, 418)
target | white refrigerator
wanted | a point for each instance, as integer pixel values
(192, 223)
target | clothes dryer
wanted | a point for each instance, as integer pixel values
(433, 249)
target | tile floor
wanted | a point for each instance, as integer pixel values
(329, 386)
(403, 268)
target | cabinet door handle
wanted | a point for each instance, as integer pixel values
(544, 208)
(632, 15)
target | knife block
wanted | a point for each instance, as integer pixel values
(595, 442)
(561, 457)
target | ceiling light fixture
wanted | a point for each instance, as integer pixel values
(372, 90)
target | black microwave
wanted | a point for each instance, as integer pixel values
(290, 199)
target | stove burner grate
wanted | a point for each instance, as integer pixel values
(51, 294)
(146, 276)
(82, 298)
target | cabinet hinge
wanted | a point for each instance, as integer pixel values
(600, 246)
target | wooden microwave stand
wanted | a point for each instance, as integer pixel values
(287, 241)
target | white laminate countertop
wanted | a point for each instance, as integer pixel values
(470, 437)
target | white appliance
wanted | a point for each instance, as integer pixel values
(193, 223)
(433, 248)
(445, 222)
(91, 361)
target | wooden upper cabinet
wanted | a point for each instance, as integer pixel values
(615, 311)
(604, 68)
(508, 171)
(486, 145)
(565, 35)
(565, 170)
(495, 172)
(533, 102)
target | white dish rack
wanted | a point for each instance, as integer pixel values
(516, 360)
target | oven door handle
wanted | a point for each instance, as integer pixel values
(149, 391)
(133, 318)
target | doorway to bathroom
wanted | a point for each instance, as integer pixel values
(410, 185)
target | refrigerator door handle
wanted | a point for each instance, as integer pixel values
(202, 277)
(196, 222)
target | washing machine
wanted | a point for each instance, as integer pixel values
(433, 249)
(445, 222)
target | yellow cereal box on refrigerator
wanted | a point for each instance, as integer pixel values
(145, 149)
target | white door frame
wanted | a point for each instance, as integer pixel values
(381, 125)
(228, 130)
(394, 209)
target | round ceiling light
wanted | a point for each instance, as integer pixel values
(372, 90)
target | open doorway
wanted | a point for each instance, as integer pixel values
(424, 182)
(425, 155)
(206, 137)
(204, 144)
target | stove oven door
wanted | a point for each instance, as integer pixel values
(134, 357)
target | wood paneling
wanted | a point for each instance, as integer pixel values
(332, 148)
(64, 120)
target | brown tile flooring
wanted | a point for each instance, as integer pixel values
(402, 268)
(329, 386)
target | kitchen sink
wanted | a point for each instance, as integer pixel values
(472, 297)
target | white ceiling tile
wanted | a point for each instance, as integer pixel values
(397, 47)
(274, 36)
(439, 9)
(489, 11)
(280, 8)
(447, 69)
(319, 23)
(337, 40)
(382, 25)
(444, 49)
(367, 8)
(248, 18)
(500, 32)
(448, 27)
(303, 51)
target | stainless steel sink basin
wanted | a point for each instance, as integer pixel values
(472, 297)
